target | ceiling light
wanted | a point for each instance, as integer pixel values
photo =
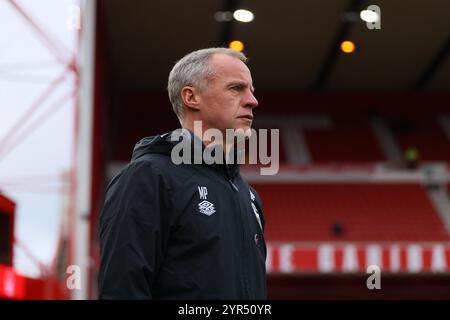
(369, 16)
(223, 16)
(236, 45)
(347, 46)
(243, 15)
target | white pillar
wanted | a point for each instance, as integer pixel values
(84, 148)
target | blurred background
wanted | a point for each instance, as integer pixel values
(358, 89)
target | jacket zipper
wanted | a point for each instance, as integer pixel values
(233, 185)
(243, 257)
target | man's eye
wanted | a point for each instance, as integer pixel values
(237, 88)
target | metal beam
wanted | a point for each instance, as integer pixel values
(331, 58)
(228, 26)
(433, 66)
(61, 53)
(5, 141)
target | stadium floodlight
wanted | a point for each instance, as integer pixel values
(223, 16)
(243, 15)
(369, 16)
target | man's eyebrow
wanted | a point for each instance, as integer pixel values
(240, 83)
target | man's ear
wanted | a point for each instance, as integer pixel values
(190, 97)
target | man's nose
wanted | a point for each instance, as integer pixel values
(251, 101)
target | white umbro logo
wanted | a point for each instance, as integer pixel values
(206, 207)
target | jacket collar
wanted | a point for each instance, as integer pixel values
(197, 146)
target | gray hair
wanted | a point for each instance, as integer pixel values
(194, 70)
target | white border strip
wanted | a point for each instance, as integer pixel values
(84, 149)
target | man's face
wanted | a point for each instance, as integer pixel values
(227, 101)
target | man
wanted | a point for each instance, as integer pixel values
(192, 230)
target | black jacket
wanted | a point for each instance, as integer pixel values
(188, 231)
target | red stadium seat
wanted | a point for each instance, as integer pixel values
(424, 133)
(366, 212)
(350, 139)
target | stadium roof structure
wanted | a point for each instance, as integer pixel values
(292, 45)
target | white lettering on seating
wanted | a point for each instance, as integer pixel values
(350, 259)
(286, 264)
(373, 255)
(395, 258)
(269, 258)
(438, 259)
(326, 258)
(414, 258)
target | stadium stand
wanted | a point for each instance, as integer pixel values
(424, 133)
(348, 140)
(365, 212)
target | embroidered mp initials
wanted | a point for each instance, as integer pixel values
(203, 192)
